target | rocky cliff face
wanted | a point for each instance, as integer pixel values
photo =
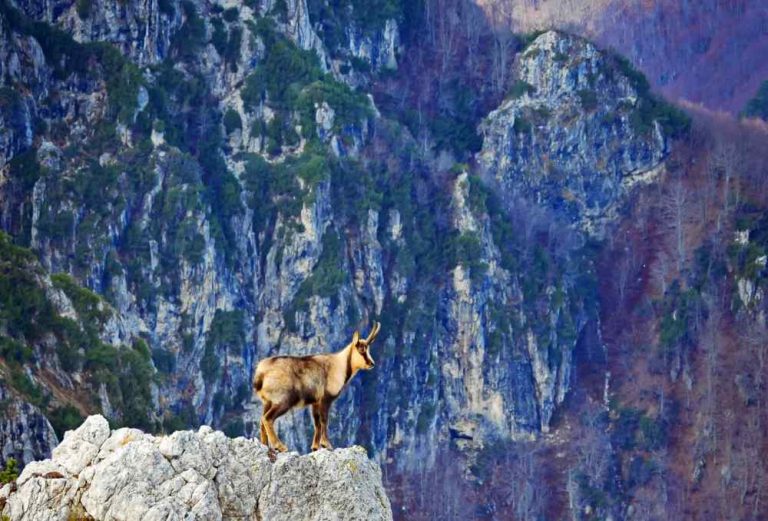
(570, 136)
(219, 179)
(188, 187)
(126, 474)
(231, 201)
(25, 432)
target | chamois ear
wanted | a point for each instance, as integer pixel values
(356, 337)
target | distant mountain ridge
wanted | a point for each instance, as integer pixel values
(710, 52)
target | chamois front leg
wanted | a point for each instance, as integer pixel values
(324, 441)
(318, 426)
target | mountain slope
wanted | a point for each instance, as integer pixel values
(232, 182)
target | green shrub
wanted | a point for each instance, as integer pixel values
(9, 99)
(636, 78)
(219, 36)
(83, 8)
(209, 364)
(757, 107)
(227, 331)
(10, 472)
(457, 135)
(25, 311)
(649, 108)
(283, 72)
(235, 428)
(15, 352)
(24, 385)
(588, 98)
(454, 126)
(653, 433)
(185, 418)
(166, 7)
(230, 14)
(190, 37)
(673, 120)
(101, 356)
(326, 279)
(25, 169)
(328, 274)
(526, 39)
(350, 107)
(519, 89)
(521, 125)
(232, 49)
(465, 249)
(62, 53)
(360, 64)
(426, 417)
(89, 306)
(164, 361)
(136, 375)
(641, 471)
(64, 418)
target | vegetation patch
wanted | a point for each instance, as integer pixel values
(649, 107)
(757, 107)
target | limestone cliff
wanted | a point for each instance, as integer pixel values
(570, 135)
(25, 432)
(218, 176)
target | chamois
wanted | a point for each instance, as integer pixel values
(285, 382)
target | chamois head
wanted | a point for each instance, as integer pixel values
(361, 354)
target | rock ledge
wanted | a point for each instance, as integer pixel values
(126, 474)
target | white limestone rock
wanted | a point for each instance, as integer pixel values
(127, 475)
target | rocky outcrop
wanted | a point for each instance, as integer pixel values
(126, 474)
(569, 136)
(25, 433)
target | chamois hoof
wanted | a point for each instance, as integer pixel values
(281, 448)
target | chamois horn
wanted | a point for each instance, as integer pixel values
(373, 333)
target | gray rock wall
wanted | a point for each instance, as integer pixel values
(569, 137)
(25, 433)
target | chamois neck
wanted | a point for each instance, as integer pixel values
(344, 351)
(345, 358)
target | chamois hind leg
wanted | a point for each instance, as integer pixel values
(274, 412)
(262, 427)
(318, 426)
(324, 441)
